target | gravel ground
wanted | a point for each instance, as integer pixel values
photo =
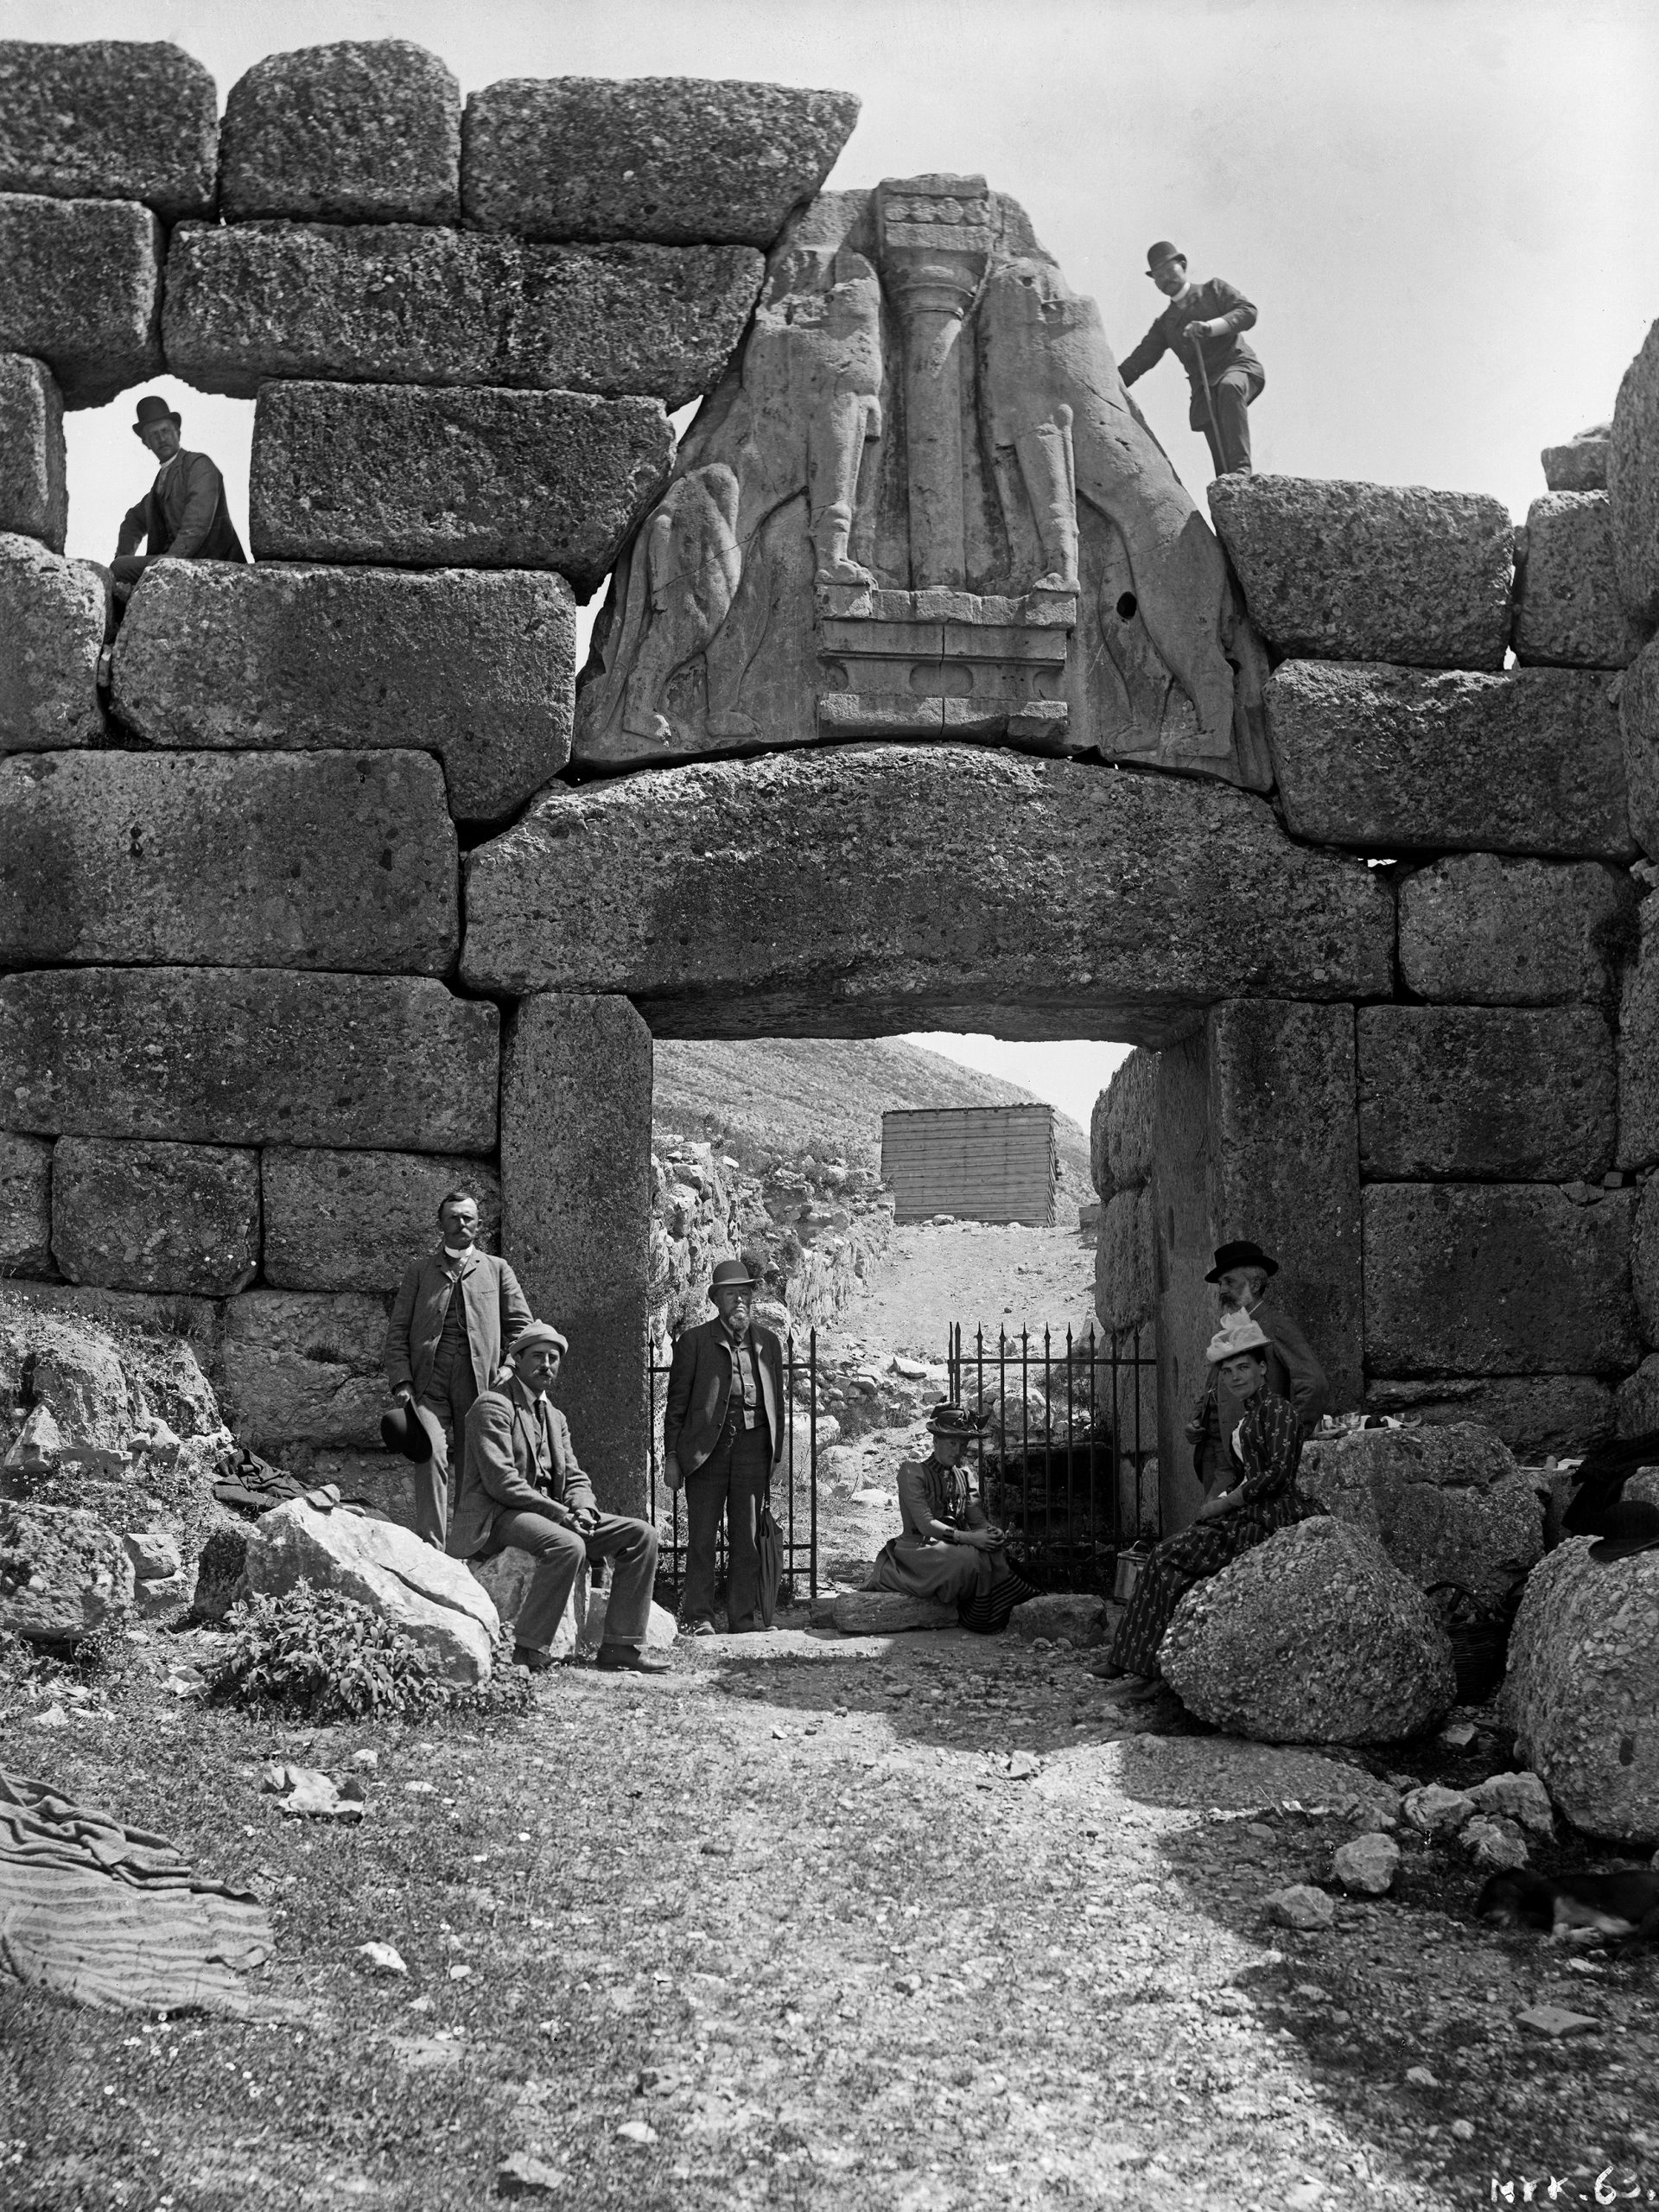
(815, 1923)
(980, 1275)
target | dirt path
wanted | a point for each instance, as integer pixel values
(787, 1931)
(979, 1276)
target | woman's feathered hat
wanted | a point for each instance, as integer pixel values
(948, 1419)
(1238, 1333)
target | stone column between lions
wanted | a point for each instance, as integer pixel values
(575, 1192)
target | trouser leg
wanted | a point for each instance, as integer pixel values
(558, 1552)
(447, 1401)
(751, 1469)
(705, 1508)
(1232, 394)
(630, 1547)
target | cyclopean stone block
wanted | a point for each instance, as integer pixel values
(476, 666)
(1390, 759)
(1644, 1262)
(169, 1217)
(248, 1056)
(575, 1188)
(25, 1205)
(1479, 929)
(1475, 1093)
(109, 119)
(1567, 608)
(1536, 1415)
(83, 291)
(34, 498)
(299, 1368)
(354, 1220)
(1580, 465)
(1638, 1049)
(1130, 1106)
(682, 160)
(1496, 1278)
(1373, 572)
(250, 860)
(1638, 729)
(1633, 483)
(398, 303)
(820, 891)
(52, 615)
(429, 479)
(1124, 1292)
(364, 132)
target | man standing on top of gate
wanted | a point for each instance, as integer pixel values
(1204, 324)
(725, 1436)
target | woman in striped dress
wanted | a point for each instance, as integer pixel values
(1260, 1496)
(947, 1550)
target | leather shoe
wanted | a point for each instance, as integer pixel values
(629, 1659)
(532, 1658)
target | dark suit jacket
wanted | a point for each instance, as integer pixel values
(1214, 301)
(700, 1383)
(186, 518)
(498, 1471)
(496, 1310)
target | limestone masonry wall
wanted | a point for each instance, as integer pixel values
(307, 914)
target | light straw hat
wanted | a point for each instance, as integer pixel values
(1238, 1333)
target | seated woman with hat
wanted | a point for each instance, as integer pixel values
(1263, 1453)
(947, 1550)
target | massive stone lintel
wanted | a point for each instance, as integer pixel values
(401, 303)
(82, 291)
(247, 1056)
(575, 1190)
(853, 891)
(34, 499)
(1480, 929)
(1467, 1093)
(1496, 1278)
(1397, 760)
(1346, 571)
(253, 860)
(362, 131)
(354, 1220)
(1633, 482)
(433, 478)
(53, 615)
(682, 160)
(477, 666)
(1568, 613)
(109, 119)
(165, 1218)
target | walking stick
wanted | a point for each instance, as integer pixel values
(1209, 404)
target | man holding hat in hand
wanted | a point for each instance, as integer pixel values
(724, 1437)
(1204, 324)
(1240, 1274)
(183, 515)
(522, 1490)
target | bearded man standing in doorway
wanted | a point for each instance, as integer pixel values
(1241, 1273)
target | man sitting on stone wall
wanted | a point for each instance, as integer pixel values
(183, 515)
(522, 1490)
(455, 1310)
(1240, 1274)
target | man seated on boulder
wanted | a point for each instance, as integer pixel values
(1240, 1274)
(454, 1311)
(183, 516)
(522, 1490)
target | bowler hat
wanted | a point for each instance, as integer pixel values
(1628, 1526)
(1242, 1252)
(534, 1334)
(152, 410)
(949, 1419)
(1162, 250)
(403, 1430)
(732, 1275)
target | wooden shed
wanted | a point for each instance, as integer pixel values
(981, 1163)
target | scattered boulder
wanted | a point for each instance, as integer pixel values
(1495, 1845)
(163, 1583)
(887, 1612)
(1448, 1504)
(1301, 1907)
(63, 1574)
(1435, 1810)
(1312, 1636)
(1368, 1865)
(1081, 1620)
(220, 1571)
(431, 1597)
(1520, 1797)
(1582, 1691)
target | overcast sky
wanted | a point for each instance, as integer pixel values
(1443, 209)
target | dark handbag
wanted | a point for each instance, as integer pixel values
(769, 1548)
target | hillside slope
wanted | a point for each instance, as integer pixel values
(826, 1097)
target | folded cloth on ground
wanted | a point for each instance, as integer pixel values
(114, 1918)
(253, 1485)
